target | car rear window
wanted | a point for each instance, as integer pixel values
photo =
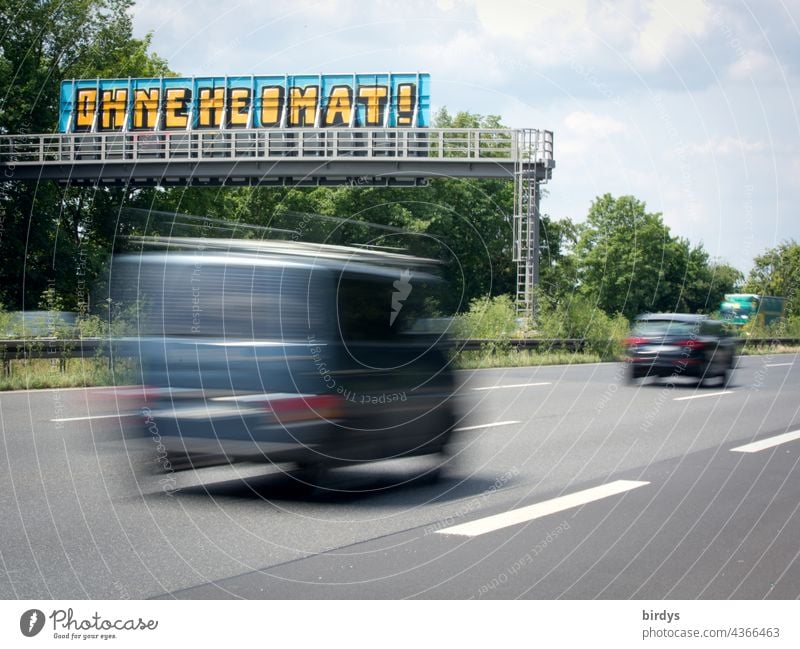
(663, 328)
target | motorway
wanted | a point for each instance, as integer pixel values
(567, 484)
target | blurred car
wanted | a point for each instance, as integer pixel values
(680, 345)
(284, 352)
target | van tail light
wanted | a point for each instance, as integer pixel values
(313, 407)
(635, 341)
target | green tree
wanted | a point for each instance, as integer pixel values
(52, 234)
(712, 282)
(624, 255)
(463, 119)
(628, 262)
(777, 272)
(558, 273)
(703, 284)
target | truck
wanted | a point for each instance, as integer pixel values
(740, 309)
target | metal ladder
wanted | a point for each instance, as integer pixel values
(534, 146)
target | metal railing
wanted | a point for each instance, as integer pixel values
(266, 144)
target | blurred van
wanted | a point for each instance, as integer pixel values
(284, 352)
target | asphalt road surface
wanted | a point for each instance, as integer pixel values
(567, 484)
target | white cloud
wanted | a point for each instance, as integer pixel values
(521, 19)
(728, 145)
(590, 124)
(581, 131)
(669, 29)
(754, 65)
(550, 34)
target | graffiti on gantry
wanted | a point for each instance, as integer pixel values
(173, 103)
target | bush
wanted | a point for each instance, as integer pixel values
(783, 328)
(488, 317)
(581, 318)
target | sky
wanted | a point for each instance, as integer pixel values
(690, 106)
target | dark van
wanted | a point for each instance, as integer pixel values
(283, 352)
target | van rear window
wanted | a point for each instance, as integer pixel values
(230, 301)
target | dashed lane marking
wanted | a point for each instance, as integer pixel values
(539, 510)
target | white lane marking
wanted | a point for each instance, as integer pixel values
(514, 385)
(769, 442)
(531, 512)
(116, 416)
(497, 423)
(778, 364)
(703, 396)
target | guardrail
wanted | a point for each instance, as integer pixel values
(60, 349)
(55, 349)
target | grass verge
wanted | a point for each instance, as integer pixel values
(767, 350)
(39, 373)
(475, 360)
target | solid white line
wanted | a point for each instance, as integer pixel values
(514, 385)
(778, 364)
(497, 423)
(703, 396)
(116, 416)
(531, 512)
(769, 442)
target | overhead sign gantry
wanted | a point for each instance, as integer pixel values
(356, 129)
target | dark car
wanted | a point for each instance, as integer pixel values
(680, 345)
(281, 352)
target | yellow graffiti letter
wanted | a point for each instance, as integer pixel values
(271, 105)
(375, 99)
(176, 113)
(239, 106)
(114, 108)
(405, 104)
(212, 101)
(303, 106)
(340, 106)
(85, 107)
(145, 108)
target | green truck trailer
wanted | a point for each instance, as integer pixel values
(740, 309)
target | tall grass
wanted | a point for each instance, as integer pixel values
(38, 373)
(483, 359)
